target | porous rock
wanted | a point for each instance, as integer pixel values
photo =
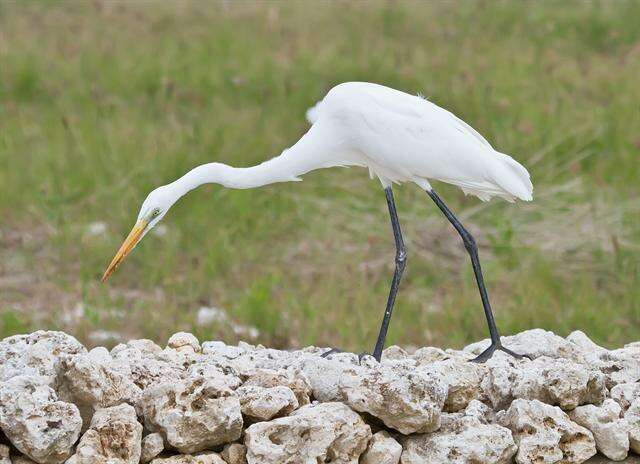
(194, 414)
(37, 355)
(98, 380)
(113, 438)
(322, 432)
(399, 393)
(554, 381)
(545, 434)
(632, 416)
(4, 454)
(292, 378)
(36, 421)
(463, 379)
(152, 445)
(382, 449)
(259, 403)
(234, 453)
(610, 430)
(184, 342)
(464, 438)
(200, 458)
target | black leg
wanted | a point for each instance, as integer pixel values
(472, 249)
(401, 262)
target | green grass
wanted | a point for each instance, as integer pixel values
(102, 101)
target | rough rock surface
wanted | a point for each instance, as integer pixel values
(382, 449)
(37, 423)
(609, 429)
(114, 437)
(463, 438)
(195, 414)
(325, 432)
(545, 433)
(152, 445)
(212, 403)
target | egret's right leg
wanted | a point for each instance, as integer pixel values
(472, 249)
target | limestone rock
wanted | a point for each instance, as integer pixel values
(194, 414)
(200, 458)
(292, 378)
(259, 403)
(36, 354)
(464, 438)
(113, 438)
(462, 377)
(545, 434)
(632, 416)
(533, 343)
(324, 432)
(625, 394)
(184, 342)
(553, 381)
(36, 422)
(406, 398)
(152, 445)
(4, 455)
(382, 449)
(96, 379)
(234, 453)
(610, 431)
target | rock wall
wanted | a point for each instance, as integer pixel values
(211, 403)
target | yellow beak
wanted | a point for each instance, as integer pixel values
(129, 243)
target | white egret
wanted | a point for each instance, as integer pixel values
(399, 138)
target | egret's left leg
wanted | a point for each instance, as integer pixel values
(472, 249)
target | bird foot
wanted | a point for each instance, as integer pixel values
(361, 356)
(488, 353)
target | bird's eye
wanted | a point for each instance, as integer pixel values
(156, 211)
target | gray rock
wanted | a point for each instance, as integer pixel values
(632, 416)
(545, 434)
(36, 422)
(259, 403)
(324, 432)
(234, 453)
(113, 438)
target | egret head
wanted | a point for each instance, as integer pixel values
(153, 209)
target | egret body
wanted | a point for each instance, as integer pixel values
(400, 138)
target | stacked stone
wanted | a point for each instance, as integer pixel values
(211, 403)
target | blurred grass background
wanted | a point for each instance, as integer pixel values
(102, 101)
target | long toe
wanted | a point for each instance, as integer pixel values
(512, 353)
(330, 352)
(486, 354)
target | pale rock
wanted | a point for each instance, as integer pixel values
(405, 397)
(462, 377)
(291, 378)
(36, 422)
(320, 432)
(260, 404)
(200, 458)
(394, 352)
(625, 393)
(632, 416)
(560, 382)
(580, 339)
(37, 354)
(148, 363)
(382, 449)
(610, 431)
(98, 380)
(194, 414)
(234, 453)
(4, 454)
(184, 341)
(113, 438)
(152, 445)
(430, 354)
(545, 434)
(464, 438)
(533, 343)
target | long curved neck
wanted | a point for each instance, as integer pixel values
(306, 155)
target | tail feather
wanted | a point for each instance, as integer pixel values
(513, 178)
